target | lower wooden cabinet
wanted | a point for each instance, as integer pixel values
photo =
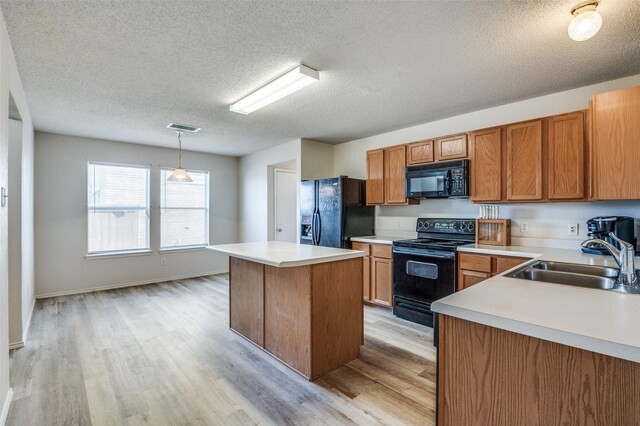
(475, 268)
(377, 273)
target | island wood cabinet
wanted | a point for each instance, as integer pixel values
(474, 268)
(386, 176)
(309, 317)
(377, 271)
(490, 376)
(615, 145)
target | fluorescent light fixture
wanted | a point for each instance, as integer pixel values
(299, 77)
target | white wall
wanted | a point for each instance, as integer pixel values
(255, 177)
(61, 217)
(312, 160)
(10, 82)
(544, 220)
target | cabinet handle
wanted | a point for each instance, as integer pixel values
(3, 197)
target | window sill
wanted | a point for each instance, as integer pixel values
(181, 249)
(117, 254)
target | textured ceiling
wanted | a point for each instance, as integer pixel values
(122, 70)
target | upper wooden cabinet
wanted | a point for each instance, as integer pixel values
(420, 153)
(486, 165)
(565, 156)
(615, 145)
(386, 176)
(524, 161)
(375, 176)
(451, 147)
(395, 163)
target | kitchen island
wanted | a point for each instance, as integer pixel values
(300, 303)
(514, 351)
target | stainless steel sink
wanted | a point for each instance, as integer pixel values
(598, 271)
(598, 277)
(568, 278)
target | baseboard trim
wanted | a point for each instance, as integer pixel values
(132, 284)
(27, 324)
(16, 345)
(5, 407)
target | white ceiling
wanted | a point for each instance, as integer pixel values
(122, 70)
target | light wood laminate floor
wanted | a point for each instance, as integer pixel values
(163, 354)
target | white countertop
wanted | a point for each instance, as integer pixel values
(283, 254)
(601, 321)
(381, 239)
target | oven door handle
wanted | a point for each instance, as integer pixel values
(424, 253)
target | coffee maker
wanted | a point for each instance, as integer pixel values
(599, 227)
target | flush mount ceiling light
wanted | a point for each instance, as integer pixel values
(586, 21)
(180, 174)
(299, 77)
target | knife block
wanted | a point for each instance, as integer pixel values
(495, 232)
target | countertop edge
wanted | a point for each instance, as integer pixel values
(292, 263)
(604, 347)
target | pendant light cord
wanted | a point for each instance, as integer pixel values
(179, 148)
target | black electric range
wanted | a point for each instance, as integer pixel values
(424, 269)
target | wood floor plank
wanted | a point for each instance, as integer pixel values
(163, 354)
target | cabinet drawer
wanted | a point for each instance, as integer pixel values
(475, 262)
(506, 263)
(365, 247)
(381, 250)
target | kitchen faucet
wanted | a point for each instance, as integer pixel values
(623, 257)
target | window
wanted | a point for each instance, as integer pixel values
(118, 208)
(184, 211)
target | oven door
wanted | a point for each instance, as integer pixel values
(423, 276)
(428, 183)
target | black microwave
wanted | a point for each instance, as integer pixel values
(438, 180)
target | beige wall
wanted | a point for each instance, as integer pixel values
(10, 83)
(61, 218)
(547, 222)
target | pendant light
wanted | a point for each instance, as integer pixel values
(586, 21)
(179, 174)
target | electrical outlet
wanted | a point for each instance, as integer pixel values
(163, 261)
(572, 229)
(524, 227)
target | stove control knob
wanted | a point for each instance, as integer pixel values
(471, 226)
(463, 226)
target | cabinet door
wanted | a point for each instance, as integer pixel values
(246, 299)
(366, 278)
(468, 278)
(381, 281)
(486, 165)
(505, 263)
(615, 142)
(524, 161)
(451, 147)
(419, 153)
(395, 162)
(375, 177)
(565, 156)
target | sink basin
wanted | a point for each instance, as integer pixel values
(598, 271)
(589, 276)
(568, 278)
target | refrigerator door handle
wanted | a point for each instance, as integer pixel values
(318, 228)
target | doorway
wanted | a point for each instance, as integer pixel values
(285, 185)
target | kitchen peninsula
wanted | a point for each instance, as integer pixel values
(300, 303)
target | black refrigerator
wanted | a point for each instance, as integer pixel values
(334, 210)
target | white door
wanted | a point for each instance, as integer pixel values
(286, 201)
